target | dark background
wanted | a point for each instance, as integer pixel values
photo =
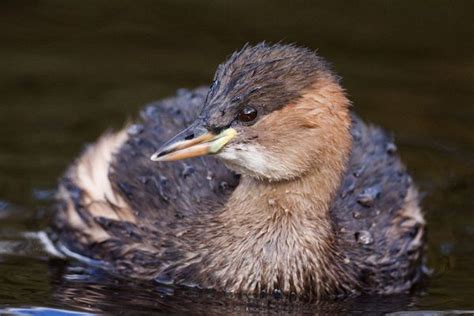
(70, 70)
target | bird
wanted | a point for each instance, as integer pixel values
(264, 183)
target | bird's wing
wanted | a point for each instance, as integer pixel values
(115, 203)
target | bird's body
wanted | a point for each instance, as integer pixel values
(349, 223)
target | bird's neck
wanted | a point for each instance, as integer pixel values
(307, 198)
(296, 208)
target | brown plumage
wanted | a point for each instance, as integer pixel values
(301, 197)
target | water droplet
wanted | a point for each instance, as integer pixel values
(177, 112)
(347, 260)
(390, 148)
(209, 176)
(357, 215)
(163, 180)
(223, 186)
(364, 237)
(277, 294)
(368, 196)
(358, 171)
(135, 129)
(271, 202)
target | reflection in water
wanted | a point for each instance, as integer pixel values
(86, 289)
(68, 72)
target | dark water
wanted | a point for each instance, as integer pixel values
(69, 71)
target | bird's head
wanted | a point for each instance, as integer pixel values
(272, 112)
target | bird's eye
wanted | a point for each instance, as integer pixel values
(247, 114)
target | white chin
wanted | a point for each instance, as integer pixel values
(255, 161)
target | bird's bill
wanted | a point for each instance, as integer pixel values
(205, 144)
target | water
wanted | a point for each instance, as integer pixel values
(68, 72)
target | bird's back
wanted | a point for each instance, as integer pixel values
(376, 214)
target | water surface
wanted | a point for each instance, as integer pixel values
(70, 71)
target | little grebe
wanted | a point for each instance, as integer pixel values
(300, 197)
